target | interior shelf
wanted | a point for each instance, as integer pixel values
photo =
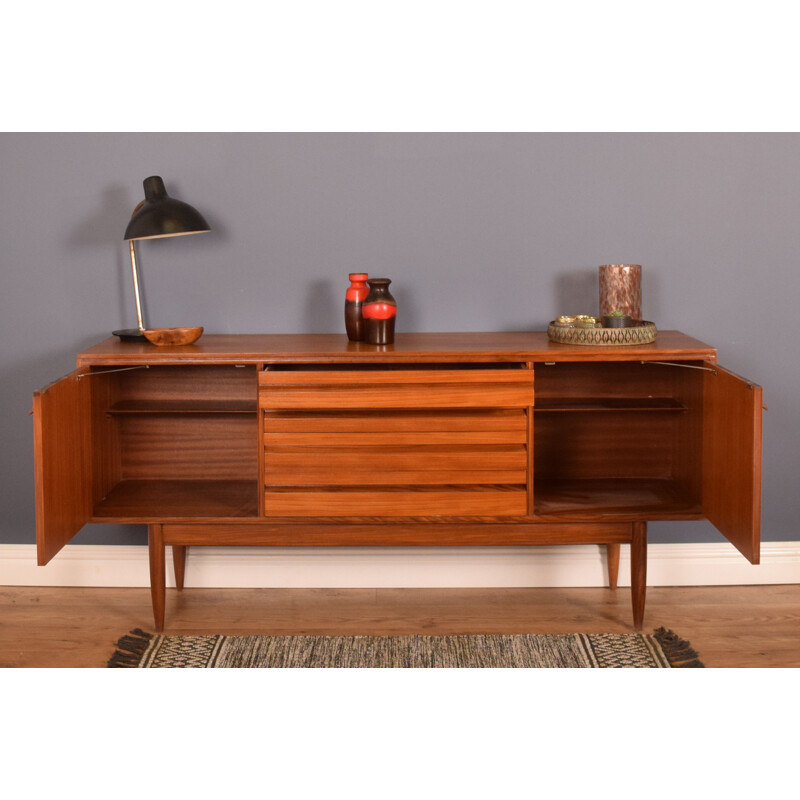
(184, 407)
(609, 404)
(175, 499)
(620, 498)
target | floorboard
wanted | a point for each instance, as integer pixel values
(734, 626)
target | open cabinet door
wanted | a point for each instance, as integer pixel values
(732, 458)
(62, 460)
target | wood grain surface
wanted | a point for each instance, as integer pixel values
(730, 626)
(429, 347)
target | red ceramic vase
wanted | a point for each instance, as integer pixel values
(380, 312)
(353, 299)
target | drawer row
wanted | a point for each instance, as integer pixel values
(396, 463)
(396, 443)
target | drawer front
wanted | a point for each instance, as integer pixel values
(397, 502)
(401, 388)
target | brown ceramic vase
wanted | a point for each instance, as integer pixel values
(380, 312)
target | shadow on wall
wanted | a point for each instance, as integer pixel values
(407, 316)
(105, 229)
(324, 308)
(577, 292)
(107, 224)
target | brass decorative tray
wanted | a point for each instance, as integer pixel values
(641, 332)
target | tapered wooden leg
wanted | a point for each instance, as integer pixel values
(158, 578)
(612, 556)
(638, 572)
(179, 562)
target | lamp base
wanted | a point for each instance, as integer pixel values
(130, 335)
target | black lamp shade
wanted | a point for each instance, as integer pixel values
(161, 215)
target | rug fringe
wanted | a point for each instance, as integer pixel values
(131, 648)
(678, 651)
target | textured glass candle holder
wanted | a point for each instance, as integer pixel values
(621, 289)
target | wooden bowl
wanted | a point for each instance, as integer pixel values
(173, 336)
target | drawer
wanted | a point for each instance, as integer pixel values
(376, 429)
(414, 386)
(334, 466)
(487, 501)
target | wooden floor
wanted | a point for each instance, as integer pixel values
(741, 626)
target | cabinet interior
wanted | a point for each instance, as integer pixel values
(617, 438)
(175, 441)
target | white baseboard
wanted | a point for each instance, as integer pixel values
(412, 567)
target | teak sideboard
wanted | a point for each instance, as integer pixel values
(439, 439)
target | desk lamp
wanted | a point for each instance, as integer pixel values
(158, 216)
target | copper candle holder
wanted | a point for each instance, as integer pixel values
(621, 289)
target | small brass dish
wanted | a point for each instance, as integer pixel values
(173, 336)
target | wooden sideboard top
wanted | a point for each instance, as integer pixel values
(431, 347)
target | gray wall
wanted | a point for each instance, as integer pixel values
(477, 231)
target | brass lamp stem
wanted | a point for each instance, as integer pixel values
(136, 287)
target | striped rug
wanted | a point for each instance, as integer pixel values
(662, 649)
